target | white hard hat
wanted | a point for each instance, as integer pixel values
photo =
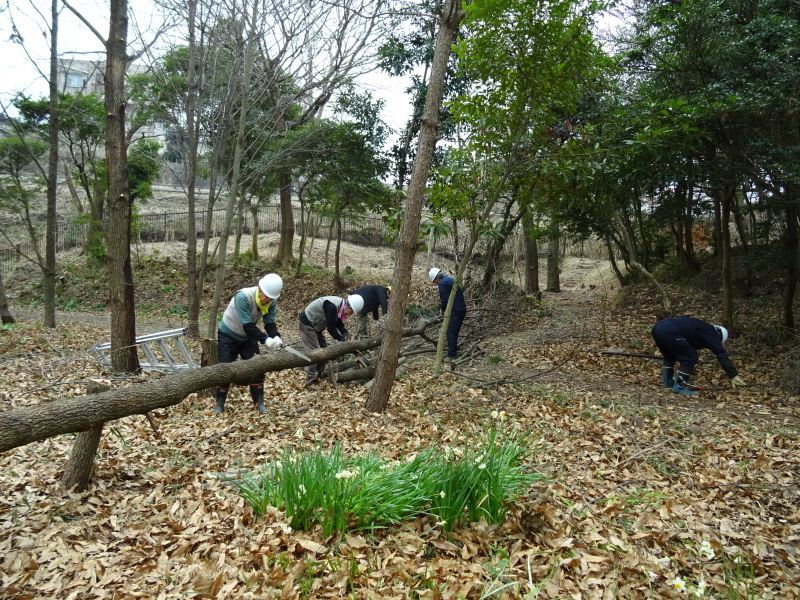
(723, 333)
(356, 302)
(434, 273)
(271, 285)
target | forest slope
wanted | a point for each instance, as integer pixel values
(645, 488)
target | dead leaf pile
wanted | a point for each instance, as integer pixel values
(645, 487)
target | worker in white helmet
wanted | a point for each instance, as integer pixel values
(238, 335)
(327, 312)
(457, 314)
(375, 297)
(679, 339)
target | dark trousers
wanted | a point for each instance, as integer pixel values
(229, 349)
(453, 329)
(673, 348)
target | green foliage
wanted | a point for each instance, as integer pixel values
(144, 166)
(344, 493)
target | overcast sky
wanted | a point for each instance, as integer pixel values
(31, 19)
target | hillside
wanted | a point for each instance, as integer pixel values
(645, 490)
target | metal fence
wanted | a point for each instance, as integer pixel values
(367, 230)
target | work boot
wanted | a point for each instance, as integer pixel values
(682, 384)
(666, 376)
(257, 394)
(222, 393)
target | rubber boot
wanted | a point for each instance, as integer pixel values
(257, 394)
(667, 376)
(682, 384)
(222, 394)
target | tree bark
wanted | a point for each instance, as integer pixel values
(34, 423)
(727, 284)
(78, 471)
(791, 243)
(285, 253)
(124, 357)
(233, 192)
(192, 289)
(452, 14)
(553, 262)
(531, 257)
(52, 179)
(5, 313)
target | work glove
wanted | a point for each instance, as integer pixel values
(273, 342)
(737, 382)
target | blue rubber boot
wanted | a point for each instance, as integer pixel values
(681, 384)
(222, 394)
(666, 376)
(257, 394)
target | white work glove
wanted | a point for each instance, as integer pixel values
(737, 382)
(274, 342)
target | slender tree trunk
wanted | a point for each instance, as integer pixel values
(553, 261)
(718, 241)
(52, 179)
(791, 243)
(285, 253)
(237, 169)
(255, 230)
(613, 261)
(5, 313)
(727, 284)
(124, 357)
(452, 14)
(192, 288)
(337, 277)
(531, 257)
(496, 247)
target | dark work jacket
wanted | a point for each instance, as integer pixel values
(445, 289)
(374, 298)
(699, 334)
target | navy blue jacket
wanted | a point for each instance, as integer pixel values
(445, 289)
(374, 297)
(698, 334)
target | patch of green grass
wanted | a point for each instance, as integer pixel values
(651, 412)
(494, 359)
(343, 493)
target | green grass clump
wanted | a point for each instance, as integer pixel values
(342, 493)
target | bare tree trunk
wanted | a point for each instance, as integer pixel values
(285, 253)
(452, 14)
(531, 257)
(5, 313)
(337, 277)
(237, 170)
(791, 245)
(614, 267)
(255, 230)
(52, 179)
(124, 357)
(727, 284)
(78, 471)
(553, 262)
(192, 87)
(73, 191)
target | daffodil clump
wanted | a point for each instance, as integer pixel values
(343, 493)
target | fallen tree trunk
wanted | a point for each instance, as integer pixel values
(35, 423)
